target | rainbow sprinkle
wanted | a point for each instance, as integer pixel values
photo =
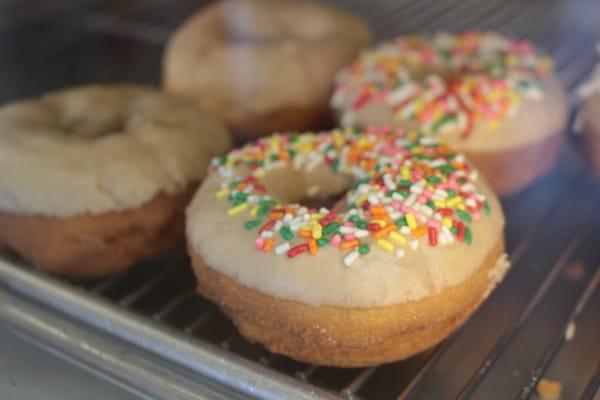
(443, 83)
(408, 189)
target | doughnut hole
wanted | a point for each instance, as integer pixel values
(319, 187)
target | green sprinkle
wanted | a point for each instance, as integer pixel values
(274, 157)
(468, 237)
(322, 242)
(253, 223)
(405, 182)
(454, 229)
(400, 222)
(430, 204)
(434, 179)
(354, 218)
(486, 207)
(332, 227)
(363, 249)
(463, 215)
(286, 233)
(446, 168)
(335, 164)
(361, 224)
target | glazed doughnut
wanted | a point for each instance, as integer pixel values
(94, 179)
(256, 66)
(588, 118)
(411, 249)
(494, 98)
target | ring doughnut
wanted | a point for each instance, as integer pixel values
(411, 249)
(254, 65)
(494, 98)
(94, 179)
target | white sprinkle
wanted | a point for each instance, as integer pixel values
(373, 199)
(405, 230)
(346, 229)
(282, 248)
(314, 163)
(323, 211)
(361, 233)
(266, 234)
(277, 226)
(414, 244)
(399, 253)
(350, 258)
(389, 182)
(288, 218)
(313, 190)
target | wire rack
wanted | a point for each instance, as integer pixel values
(522, 333)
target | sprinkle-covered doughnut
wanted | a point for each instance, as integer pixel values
(488, 95)
(405, 189)
(414, 221)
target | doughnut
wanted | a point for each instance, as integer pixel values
(409, 250)
(587, 121)
(495, 99)
(256, 66)
(96, 178)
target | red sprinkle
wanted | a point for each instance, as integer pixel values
(432, 236)
(446, 212)
(266, 226)
(294, 251)
(373, 227)
(461, 231)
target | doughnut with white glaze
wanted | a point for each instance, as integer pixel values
(95, 178)
(494, 98)
(263, 65)
(414, 245)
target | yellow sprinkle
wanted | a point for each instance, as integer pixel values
(379, 222)
(222, 193)
(361, 199)
(254, 211)
(317, 231)
(316, 216)
(405, 172)
(453, 201)
(439, 203)
(307, 227)
(237, 209)
(386, 245)
(398, 238)
(461, 207)
(411, 221)
(447, 222)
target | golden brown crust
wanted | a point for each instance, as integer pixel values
(345, 337)
(100, 245)
(510, 171)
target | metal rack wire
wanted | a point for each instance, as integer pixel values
(517, 336)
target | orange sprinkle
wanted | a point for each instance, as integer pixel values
(241, 186)
(383, 232)
(306, 234)
(377, 210)
(276, 214)
(268, 244)
(420, 231)
(312, 246)
(349, 244)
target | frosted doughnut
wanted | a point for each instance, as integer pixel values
(494, 98)
(95, 178)
(411, 249)
(263, 65)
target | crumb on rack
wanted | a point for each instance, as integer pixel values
(570, 331)
(548, 389)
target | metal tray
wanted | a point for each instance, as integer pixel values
(148, 331)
